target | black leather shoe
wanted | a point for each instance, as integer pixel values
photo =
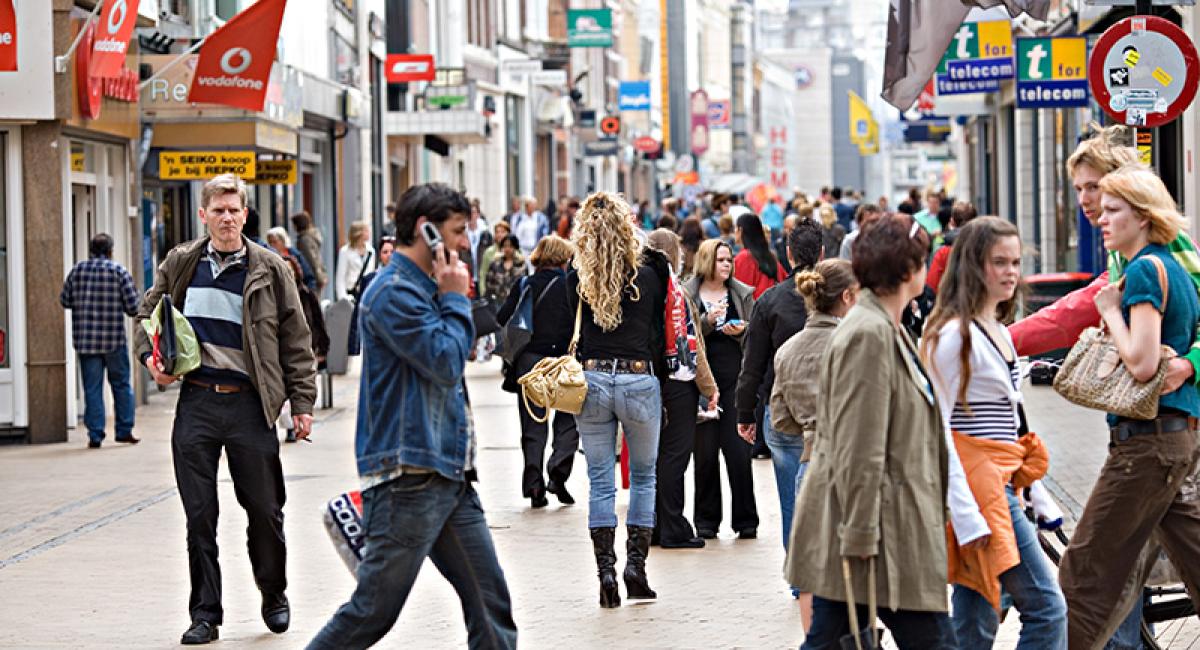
(706, 533)
(560, 490)
(93, 444)
(748, 533)
(691, 542)
(130, 440)
(538, 499)
(200, 633)
(276, 613)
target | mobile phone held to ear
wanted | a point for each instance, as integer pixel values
(433, 239)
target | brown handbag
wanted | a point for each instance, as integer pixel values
(1094, 376)
(556, 382)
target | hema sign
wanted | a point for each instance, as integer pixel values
(28, 91)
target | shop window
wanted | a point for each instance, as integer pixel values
(4, 283)
(345, 61)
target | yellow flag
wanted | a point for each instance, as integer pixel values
(869, 145)
(862, 122)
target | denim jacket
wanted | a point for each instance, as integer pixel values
(412, 404)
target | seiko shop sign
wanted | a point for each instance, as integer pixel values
(202, 165)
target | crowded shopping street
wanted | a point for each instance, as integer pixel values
(95, 537)
(818, 324)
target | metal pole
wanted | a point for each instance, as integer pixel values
(195, 46)
(1037, 189)
(60, 62)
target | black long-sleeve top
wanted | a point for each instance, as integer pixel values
(553, 314)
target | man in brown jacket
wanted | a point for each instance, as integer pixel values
(255, 353)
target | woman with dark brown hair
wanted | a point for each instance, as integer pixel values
(872, 503)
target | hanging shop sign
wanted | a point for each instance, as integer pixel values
(979, 57)
(203, 165)
(235, 61)
(719, 114)
(1145, 146)
(112, 40)
(556, 78)
(589, 28)
(89, 89)
(274, 172)
(633, 96)
(8, 36)
(403, 68)
(646, 144)
(610, 125)
(1144, 71)
(599, 148)
(1052, 72)
(699, 110)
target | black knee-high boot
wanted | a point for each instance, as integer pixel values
(637, 547)
(606, 563)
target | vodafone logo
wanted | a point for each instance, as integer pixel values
(239, 53)
(117, 16)
(410, 67)
(234, 62)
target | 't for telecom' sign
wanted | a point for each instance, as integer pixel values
(979, 56)
(1052, 72)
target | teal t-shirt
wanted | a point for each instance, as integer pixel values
(1179, 320)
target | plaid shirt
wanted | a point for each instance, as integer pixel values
(98, 292)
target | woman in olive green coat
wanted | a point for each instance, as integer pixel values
(876, 487)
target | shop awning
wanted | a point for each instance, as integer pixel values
(456, 126)
(258, 135)
(733, 183)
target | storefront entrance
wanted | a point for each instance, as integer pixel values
(14, 413)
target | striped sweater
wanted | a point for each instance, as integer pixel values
(214, 309)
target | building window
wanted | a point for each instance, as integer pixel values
(226, 9)
(345, 6)
(345, 61)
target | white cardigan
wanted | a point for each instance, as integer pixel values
(991, 381)
(349, 265)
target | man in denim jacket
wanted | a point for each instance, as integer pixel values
(415, 443)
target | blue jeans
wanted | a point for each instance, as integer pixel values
(1129, 634)
(786, 451)
(636, 402)
(407, 520)
(1033, 585)
(92, 367)
(911, 630)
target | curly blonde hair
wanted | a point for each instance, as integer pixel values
(606, 256)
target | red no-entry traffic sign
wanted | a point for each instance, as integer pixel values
(1144, 71)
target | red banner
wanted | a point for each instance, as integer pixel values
(112, 38)
(402, 68)
(235, 61)
(8, 36)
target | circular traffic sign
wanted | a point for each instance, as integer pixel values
(610, 125)
(646, 144)
(1144, 71)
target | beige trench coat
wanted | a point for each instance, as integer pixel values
(877, 482)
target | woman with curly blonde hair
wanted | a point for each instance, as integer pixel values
(620, 291)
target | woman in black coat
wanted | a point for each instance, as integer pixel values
(553, 324)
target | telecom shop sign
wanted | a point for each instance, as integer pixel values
(1143, 71)
(633, 96)
(1052, 72)
(979, 57)
(589, 28)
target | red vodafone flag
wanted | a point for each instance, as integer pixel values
(112, 37)
(8, 36)
(235, 61)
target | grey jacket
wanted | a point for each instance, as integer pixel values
(878, 479)
(797, 369)
(275, 335)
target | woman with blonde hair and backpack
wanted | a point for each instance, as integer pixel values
(618, 291)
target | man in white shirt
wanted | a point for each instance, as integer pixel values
(530, 225)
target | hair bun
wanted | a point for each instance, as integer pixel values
(809, 283)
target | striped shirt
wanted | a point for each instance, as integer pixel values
(990, 419)
(214, 309)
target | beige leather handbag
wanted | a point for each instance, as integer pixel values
(556, 382)
(1094, 376)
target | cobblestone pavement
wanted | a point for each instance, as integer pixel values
(92, 549)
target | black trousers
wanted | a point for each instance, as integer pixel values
(534, 435)
(680, 399)
(721, 436)
(205, 423)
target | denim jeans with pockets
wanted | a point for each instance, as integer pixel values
(92, 367)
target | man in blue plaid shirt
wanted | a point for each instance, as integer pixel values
(100, 293)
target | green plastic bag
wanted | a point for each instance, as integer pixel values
(187, 346)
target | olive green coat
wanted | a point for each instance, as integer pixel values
(876, 485)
